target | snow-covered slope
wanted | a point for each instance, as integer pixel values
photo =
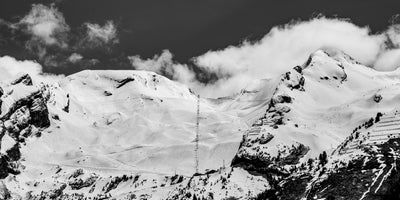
(119, 122)
(130, 134)
(133, 120)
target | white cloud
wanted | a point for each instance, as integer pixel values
(46, 23)
(163, 64)
(287, 46)
(75, 57)
(393, 34)
(281, 49)
(10, 68)
(388, 60)
(106, 33)
(158, 63)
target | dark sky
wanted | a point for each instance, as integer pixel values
(190, 28)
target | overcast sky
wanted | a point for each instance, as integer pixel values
(201, 40)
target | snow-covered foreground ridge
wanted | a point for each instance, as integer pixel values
(130, 135)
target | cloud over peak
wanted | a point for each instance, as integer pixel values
(290, 45)
(281, 49)
(164, 64)
(10, 68)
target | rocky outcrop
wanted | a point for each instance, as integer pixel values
(252, 154)
(55, 193)
(359, 179)
(4, 193)
(377, 98)
(24, 79)
(114, 182)
(7, 166)
(295, 153)
(77, 183)
(25, 114)
(66, 108)
(124, 82)
(39, 113)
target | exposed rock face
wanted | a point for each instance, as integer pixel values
(66, 108)
(4, 166)
(24, 79)
(25, 113)
(55, 193)
(107, 93)
(252, 154)
(13, 153)
(77, 181)
(7, 165)
(294, 154)
(4, 193)
(115, 182)
(357, 178)
(124, 82)
(377, 98)
(39, 113)
(278, 106)
(294, 79)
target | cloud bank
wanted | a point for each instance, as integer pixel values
(283, 48)
(11, 68)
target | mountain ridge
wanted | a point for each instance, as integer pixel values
(129, 134)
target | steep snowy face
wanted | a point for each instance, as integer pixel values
(314, 108)
(325, 69)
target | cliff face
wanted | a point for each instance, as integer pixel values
(23, 114)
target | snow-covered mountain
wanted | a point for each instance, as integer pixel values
(130, 135)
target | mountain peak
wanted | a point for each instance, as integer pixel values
(333, 54)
